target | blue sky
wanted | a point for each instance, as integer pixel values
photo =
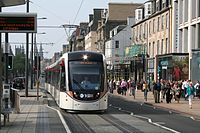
(58, 13)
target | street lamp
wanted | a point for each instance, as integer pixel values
(37, 54)
(31, 56)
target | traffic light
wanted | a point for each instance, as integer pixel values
(10, 62)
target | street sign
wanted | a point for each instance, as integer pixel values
(5, 3)
(18, 22)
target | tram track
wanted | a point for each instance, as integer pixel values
(76, 123)
(125, 128)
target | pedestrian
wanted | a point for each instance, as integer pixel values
(111, 86)
(118, 87)
(177, 92)
(197, 89)
(145, 90)
(155, 92)
(168, 92)
(158, 89)
(132, 88)
(184, 87)
(190, 93)
(124, 87)
(163, 91)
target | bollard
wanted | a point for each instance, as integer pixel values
(17, 102)
(37, 87)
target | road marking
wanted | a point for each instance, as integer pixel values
(170, 112)
(149, 120)
(157, 124)
(62, 119)
(192, 118)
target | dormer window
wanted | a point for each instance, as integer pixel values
(139, 14)
(163, 3)
(149, 9)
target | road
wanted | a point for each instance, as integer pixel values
(129, 117)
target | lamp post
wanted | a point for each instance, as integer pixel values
(37, 57)
(31, 56)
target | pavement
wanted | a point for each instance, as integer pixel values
(181, 107)
(36, 117)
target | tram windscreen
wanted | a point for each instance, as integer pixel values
(85, 75)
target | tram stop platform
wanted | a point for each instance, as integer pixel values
(34, 116)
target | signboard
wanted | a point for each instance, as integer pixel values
(5, 3)
(195, 65)
(18, 22)
(136, 49)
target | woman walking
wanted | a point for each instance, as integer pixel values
(145, 90)
(190, 93)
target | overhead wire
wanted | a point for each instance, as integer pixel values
(78, 11)
(60, 18)
(48, 11)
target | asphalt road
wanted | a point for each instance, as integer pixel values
(128, 117)
(178, 122)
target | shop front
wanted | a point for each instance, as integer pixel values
(174, 66)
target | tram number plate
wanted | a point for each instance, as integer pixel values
(89, 95)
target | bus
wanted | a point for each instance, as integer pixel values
(77, 81)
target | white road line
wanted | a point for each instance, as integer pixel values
(149, 120)
(62, 120)
(156, 124)
(192, 118)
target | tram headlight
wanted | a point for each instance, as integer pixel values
(97, 95)
(75, 94)
(85, 57)
(81, 95)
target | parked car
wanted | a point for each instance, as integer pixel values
(19, 83)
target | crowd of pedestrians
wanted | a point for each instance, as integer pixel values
(163, 90)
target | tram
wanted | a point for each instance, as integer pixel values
(77, 81)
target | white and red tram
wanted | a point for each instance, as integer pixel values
(64, 80)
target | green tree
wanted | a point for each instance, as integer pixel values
(19, 65)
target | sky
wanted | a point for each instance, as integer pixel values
(58, 13)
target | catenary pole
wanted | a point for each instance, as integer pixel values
(31, 69)
(0, 75)
(27, 52)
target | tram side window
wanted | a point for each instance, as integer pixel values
(55, 78)
(48, 77)
(62, 79)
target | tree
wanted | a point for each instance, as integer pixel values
(19, 65)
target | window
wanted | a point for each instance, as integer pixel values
(163, 3)
(149, 49)
(166, 46)
(153, 49)
(144, 31)
(162, 22)
(158, 27)
(139, 14)
(149, 9)
(158, 47)
(198, 8)
(162, 43)
(154, 25)
(140, 31)
(157, 5)
(167, 21)
(149, 27)
(116, 44)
